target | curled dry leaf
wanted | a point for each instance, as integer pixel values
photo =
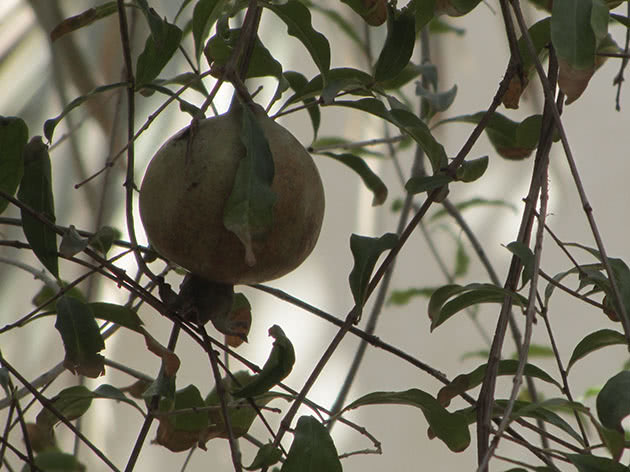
(170, 359)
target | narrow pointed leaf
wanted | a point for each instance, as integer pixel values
(613, 401)
(403, 297)
(266, 456)
(439, 101)
(426, 183)
(83, 19)
(451, 428)
(112, 393)
(51, 124)
(220, 48)
(371, 180)
(36, 192)
(595, 341)
(71, 402)
(81, 337)
(312, 449)
(241, 414)
(249, 209)
(366, 252)
(472, 169)
(465, 382)
(205, 15)
(345, 79)
(408, 123)
(13, 138)
(298, 20)
(590, 463)
(118, 314)
(451, 299)
(297, 82)
(526, 256)
(57, 461)
(398, 47)
(278, 366)
(158, 49)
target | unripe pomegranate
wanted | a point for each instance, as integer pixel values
(188, 182)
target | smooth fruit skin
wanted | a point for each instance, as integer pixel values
(183, 195)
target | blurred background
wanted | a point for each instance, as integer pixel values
(38, 79)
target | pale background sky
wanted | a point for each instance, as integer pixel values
(475, 62)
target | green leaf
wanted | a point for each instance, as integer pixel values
(473, 169)
(577, 27)
(371, 180)
(450, 299)
(53, 460)
(182, 431)
(158, 49)
(334, 16)
(36, 192)
(13, 138)
(112, 393)
(298, 20)
(408, 123)
(425, 10)
(451, 428)
(543, 411)
(613, 401)
(297, 82)
(205, 15)
(590, 463)
(472, 203)
(81, 337)
(403, 297)
(71, 402)
(462, 7)
(248, 211)
(439, 101)
(366, 252)
(103, 239)
(312, 449)
(409, 72)
(241, 413)
(465, 382)
(278, 366)
(118, 314)
(83, 19)
(47, 292)
(621, 273)
(462, 260)
(71, 242)
(536, 350)
(427, 183)
(266, 456)
(51, 124)
(512, 140)
(338, 79)
(189, 397)
(577, 30)
(594, 341)
(398, 47)
(221, 46)
(525, 254)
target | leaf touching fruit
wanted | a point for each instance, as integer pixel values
(249, 209)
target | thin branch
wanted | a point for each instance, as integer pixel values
(588, 209)
(49, 406)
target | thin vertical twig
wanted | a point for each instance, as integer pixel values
(586, 206)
